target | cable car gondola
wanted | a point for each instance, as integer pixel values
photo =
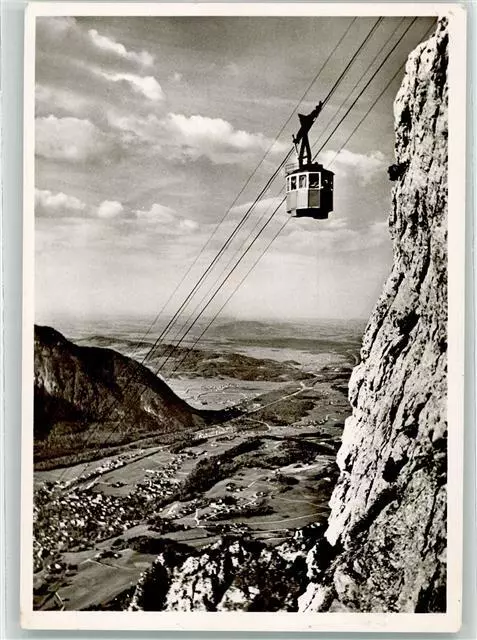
(310, 185)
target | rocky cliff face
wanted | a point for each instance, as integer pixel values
(389, 506)
(385, 545)
(116, 399)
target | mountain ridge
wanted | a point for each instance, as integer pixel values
(92, 396)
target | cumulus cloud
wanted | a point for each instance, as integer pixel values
(61, 205)
(110, 209)
(87, 44)
(214, 138)
(64, 100)
(144, 129)
(167, 220)
(148, 86)
(49, 204)
(70, 139)
(190, 138)
(211, 137)
(112, 46)
(88, 61)
(364, 166)
(56, 27)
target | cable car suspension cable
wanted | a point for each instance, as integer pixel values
(275, 211)
(282, 201)
(248, 212)
(243, 188)
(428, 31)
(353, 104)
(269, 182)
(234, 256)
(333, 118)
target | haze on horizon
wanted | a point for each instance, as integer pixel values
(147, 129)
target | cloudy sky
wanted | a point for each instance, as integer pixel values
(148, 128)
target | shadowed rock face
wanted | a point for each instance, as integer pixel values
(389, 506)
(385, 544)
(79, 387)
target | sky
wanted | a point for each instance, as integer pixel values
(148, 130)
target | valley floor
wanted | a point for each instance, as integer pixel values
(260, 476)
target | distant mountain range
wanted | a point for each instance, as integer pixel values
(312, 331)
(144, 330)
(89, 397)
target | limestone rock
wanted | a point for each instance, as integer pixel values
(228, 575)
(389, 506)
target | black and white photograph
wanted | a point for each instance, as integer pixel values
(242, 323)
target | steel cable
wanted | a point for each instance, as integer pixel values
(363, 89)
(265, 212)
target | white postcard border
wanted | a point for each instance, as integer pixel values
(248, 621)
